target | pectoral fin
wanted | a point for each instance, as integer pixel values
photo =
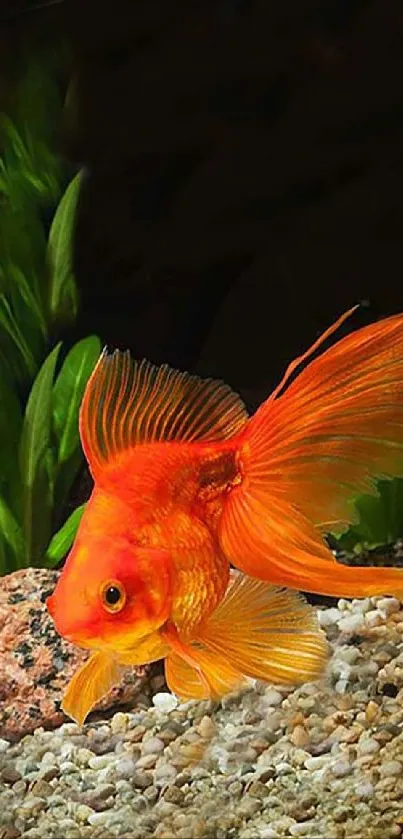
(90, 684)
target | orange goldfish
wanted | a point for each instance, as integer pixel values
(185, 483)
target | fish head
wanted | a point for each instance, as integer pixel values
(112, 594)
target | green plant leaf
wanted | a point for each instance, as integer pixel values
(68, 392)
(380, 518)
(10, 432)
(23, 360)
(62, 541)
(63, 289)
(36, 460)
(11, 535)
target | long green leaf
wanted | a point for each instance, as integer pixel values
(10, 432)
(63, 289)
(35, 460)
(11, 534)
(69, 390)
(62, 541)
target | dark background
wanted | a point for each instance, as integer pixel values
(245, 177)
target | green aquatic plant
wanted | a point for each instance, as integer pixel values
(379, 519)
(41, 384)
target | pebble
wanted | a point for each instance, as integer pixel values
(391, 767)
(152, 746)
(125, 768)
(368, 746)
(165, 702)
(341, 768)
(272, 697)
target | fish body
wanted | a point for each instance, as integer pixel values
(185, 484)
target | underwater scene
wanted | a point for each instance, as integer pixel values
(201, 420)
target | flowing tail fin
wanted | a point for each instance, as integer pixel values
(308, 452)
(257, 631)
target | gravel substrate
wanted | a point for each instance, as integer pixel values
(324, 760)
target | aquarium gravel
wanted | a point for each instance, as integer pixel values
(323, 760)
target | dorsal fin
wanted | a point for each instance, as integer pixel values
(127, 403)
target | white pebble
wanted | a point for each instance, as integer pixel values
(373, 618)
(302, 828)
(283, 768)
(4, 745)
(368, 746)
(165, 702)
(83, 813)
(99, 818)
(341, 686)
(268, 833)
(363, 604)
(350, 624)
(152, 746)
(272, 697)
(119, 723)
(99, 761)
(391, 767)
(328, 617)
(125, 768)
(66, 767)
(318, 762)
(364, 790)
(341, 768)
(388, 605)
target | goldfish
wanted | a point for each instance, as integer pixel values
(187, 485)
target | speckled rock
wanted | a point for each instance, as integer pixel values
(35, 663)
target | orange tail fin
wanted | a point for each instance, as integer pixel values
(308, 452)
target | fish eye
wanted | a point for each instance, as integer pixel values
(113, 596)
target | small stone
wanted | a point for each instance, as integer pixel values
(165, 702)
(174, 795)
(272, 697)
(165, 774)
(302, 829)
(99, 761)
(390, 767)
(67, 767)
(83, 813)
(125, 768)
(373, 618)
(351, 624)
(4, 745)
(388, 605)
(328, 617)
(42, 789)
(146, 762)
(137, 733)
(141, 780)
(206, 728)
(341, 768)
(152, 746)
(20, 787)
(10, 775)
(258, 789)
(299, 736)
(371, 711)
(364, 790)
(98, 818)
(283, 768)
(119, 723)
(367, 746)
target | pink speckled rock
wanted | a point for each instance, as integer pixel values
(35, 663)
